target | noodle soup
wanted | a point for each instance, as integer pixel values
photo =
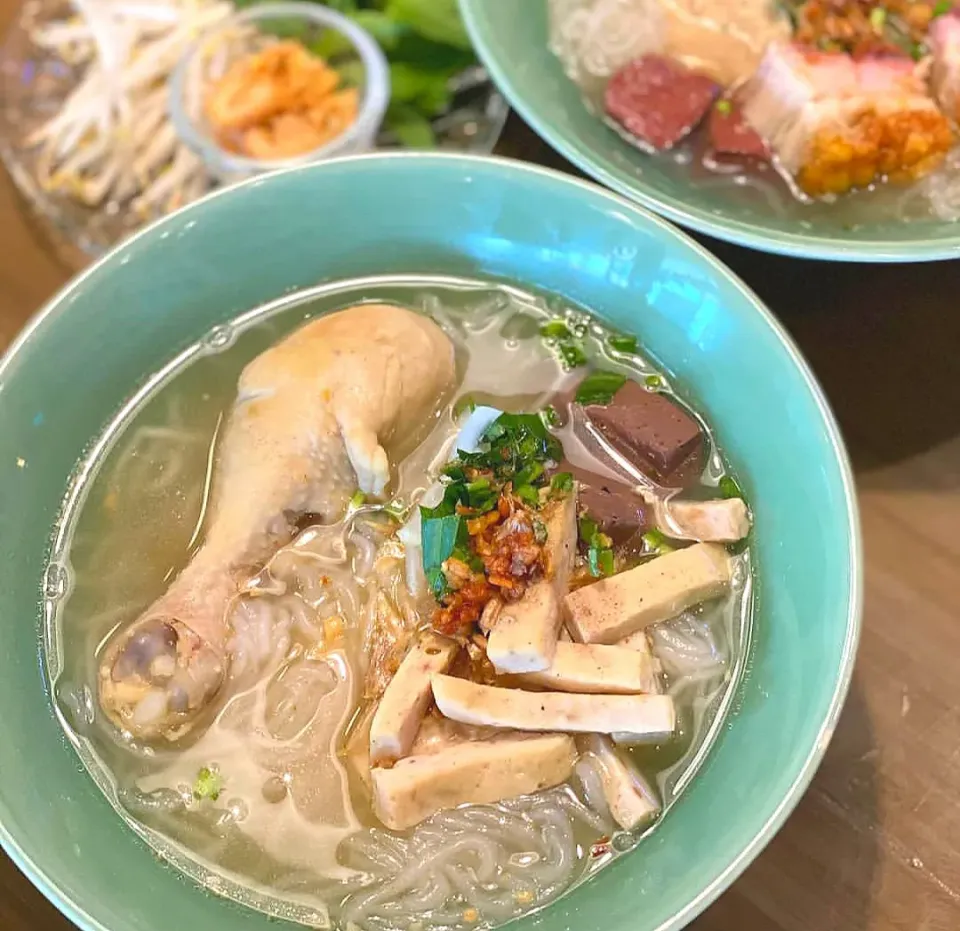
(284, 656)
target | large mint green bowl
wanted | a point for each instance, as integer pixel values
(165, 288)
(511, 37)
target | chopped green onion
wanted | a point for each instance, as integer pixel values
(539, 531)
(555, 329)
(656, 542)
(599, 387)
(550, 416)
(528, 495)
(653, 381)
(358, 499)
(571, 355)
(605, 562)
(588, 529)
(624, 343)
(878, 17)
(561, 483)
(729, 488)
(437, 582)
(724, 106)
(943, 7)
(208, 784)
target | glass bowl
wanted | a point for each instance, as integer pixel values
(251, 31)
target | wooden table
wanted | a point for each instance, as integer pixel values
(875, 844)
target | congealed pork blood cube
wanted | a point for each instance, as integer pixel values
(657, 100)
(618, 510)
(731, 134)
(649, 428)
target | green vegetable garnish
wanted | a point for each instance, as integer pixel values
(358, 499)
(653, 381)
(724, 107)
(561, 483)
(550, 416)
(555, 329)
(729, 488)
(878, 16)
(656, 542)
(207, 785)
(623, 343)
(571, 355)
(944, 6)
(599, 387)
(599, 548)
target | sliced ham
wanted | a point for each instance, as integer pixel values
(524, 637)
(633, 802)
(836, 123)
(610, 609)
(594, 668)
(645, 717)
(476, 773)
(406, 698)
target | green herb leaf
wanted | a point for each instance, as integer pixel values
(207, 785)
(624, 343)
(481, 495)
(653, 381)
(599, 387)
(878, 16)
(539, 531)
(439, 535)
(656, 542)
(411, 128)
(437, 20)
(550, 416)
(561, 483)
(571, 355)
(437, 582)
(729, 488)
(588, 529)
(943, 7)
(358, 499)
(528, 495)
(426, 88)
(605, 561)
(555, 329)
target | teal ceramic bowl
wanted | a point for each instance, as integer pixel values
(98, 340)
(511, 38)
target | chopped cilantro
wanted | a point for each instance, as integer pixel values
(539, 531)
(599, 548)
(599, 387)
(622, 343)
(729, 488)
(555, 329)
(528, 495)
(656, 542)
(571, 355)
(208, 784)
(561, 483)
(550, 416)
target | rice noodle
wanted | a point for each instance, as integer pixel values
(594, 38)
(496, 859)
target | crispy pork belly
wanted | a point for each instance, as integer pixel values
(944, 42)
(836, 124)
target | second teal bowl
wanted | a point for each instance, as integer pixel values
(163, 290)
(511, 38)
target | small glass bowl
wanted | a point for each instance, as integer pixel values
(249, 32)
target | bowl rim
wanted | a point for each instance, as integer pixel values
(59, 303)
(739, 232)
(373, 105)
